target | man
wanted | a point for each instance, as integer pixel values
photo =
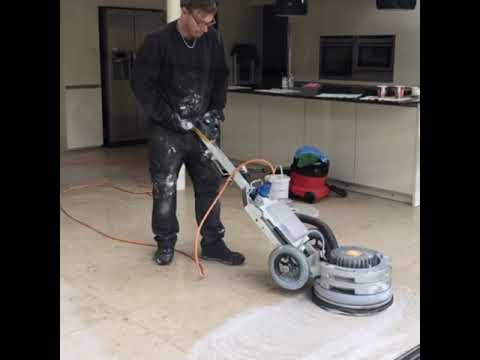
(180, 79)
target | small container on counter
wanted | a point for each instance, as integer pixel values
(415, 91)
(291, 81)
(382, 90)
(284, 82)
(399, 91)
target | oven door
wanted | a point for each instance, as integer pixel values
(374, 54)
(336, 58)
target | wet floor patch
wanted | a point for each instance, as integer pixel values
(298, 329)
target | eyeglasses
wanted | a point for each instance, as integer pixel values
(202, 23)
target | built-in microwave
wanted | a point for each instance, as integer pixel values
(374, 57)
(336, 53)
(364, 58)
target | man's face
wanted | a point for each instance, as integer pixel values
(197, 21)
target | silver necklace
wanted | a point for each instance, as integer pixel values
(186, 44)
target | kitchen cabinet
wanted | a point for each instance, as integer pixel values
(330, 126)
(82, 110)
(386, 147)
(240, 132)
(318, 124)
(282, 128)
(342, 141)
(373, 148)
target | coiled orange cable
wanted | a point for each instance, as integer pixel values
(107, 183)
(195, 258)
(227, 182)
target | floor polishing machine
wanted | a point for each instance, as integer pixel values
(349, 280)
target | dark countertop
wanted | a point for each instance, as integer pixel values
(306, 93)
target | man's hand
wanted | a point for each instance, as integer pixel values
(179, 124)
(209, 123)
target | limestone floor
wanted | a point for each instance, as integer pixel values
(117, 304)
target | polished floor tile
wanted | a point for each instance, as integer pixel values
(117, 304)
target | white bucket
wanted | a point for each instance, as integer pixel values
(280, 186)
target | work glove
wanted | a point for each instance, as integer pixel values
(184, 119)
(179, 124)
(209, 123)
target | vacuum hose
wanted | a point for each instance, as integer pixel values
(329, 237)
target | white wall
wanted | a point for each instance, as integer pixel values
(356, 17)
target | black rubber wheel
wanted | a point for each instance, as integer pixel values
(340, 192)
(288, 267)
(309, 197)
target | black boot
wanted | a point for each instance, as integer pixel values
(218, 251)
(164, 256)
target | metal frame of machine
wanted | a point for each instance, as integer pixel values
(347, 280)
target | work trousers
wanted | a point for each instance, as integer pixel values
(168, 150)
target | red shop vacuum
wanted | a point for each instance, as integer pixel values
(308, 175)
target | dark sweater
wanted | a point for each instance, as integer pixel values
(170, 77)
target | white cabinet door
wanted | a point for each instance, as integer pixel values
(341, 148)
(240, 133)
(318, 124)
(282, 128)
(385, 147)
(83, 108)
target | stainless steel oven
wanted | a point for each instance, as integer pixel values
(373, 57)
(360, 58)
(336, 54)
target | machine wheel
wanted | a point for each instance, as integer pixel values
(288, 267)
(325, 231)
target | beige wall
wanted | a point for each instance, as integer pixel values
(140, 4)
(237, 24)
(357, 17)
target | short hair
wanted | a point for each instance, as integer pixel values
(209, 6)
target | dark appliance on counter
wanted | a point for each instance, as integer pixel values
(336, 54)
(244, 64)
(291, 7)
(360, 58)
(374, 57)
(396, 4)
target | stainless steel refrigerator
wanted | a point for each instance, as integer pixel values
(122, 32)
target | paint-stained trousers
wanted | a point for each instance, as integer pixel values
(168, 150)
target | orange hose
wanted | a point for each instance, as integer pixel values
(227, 182)
(195, 258)
(107, 183)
